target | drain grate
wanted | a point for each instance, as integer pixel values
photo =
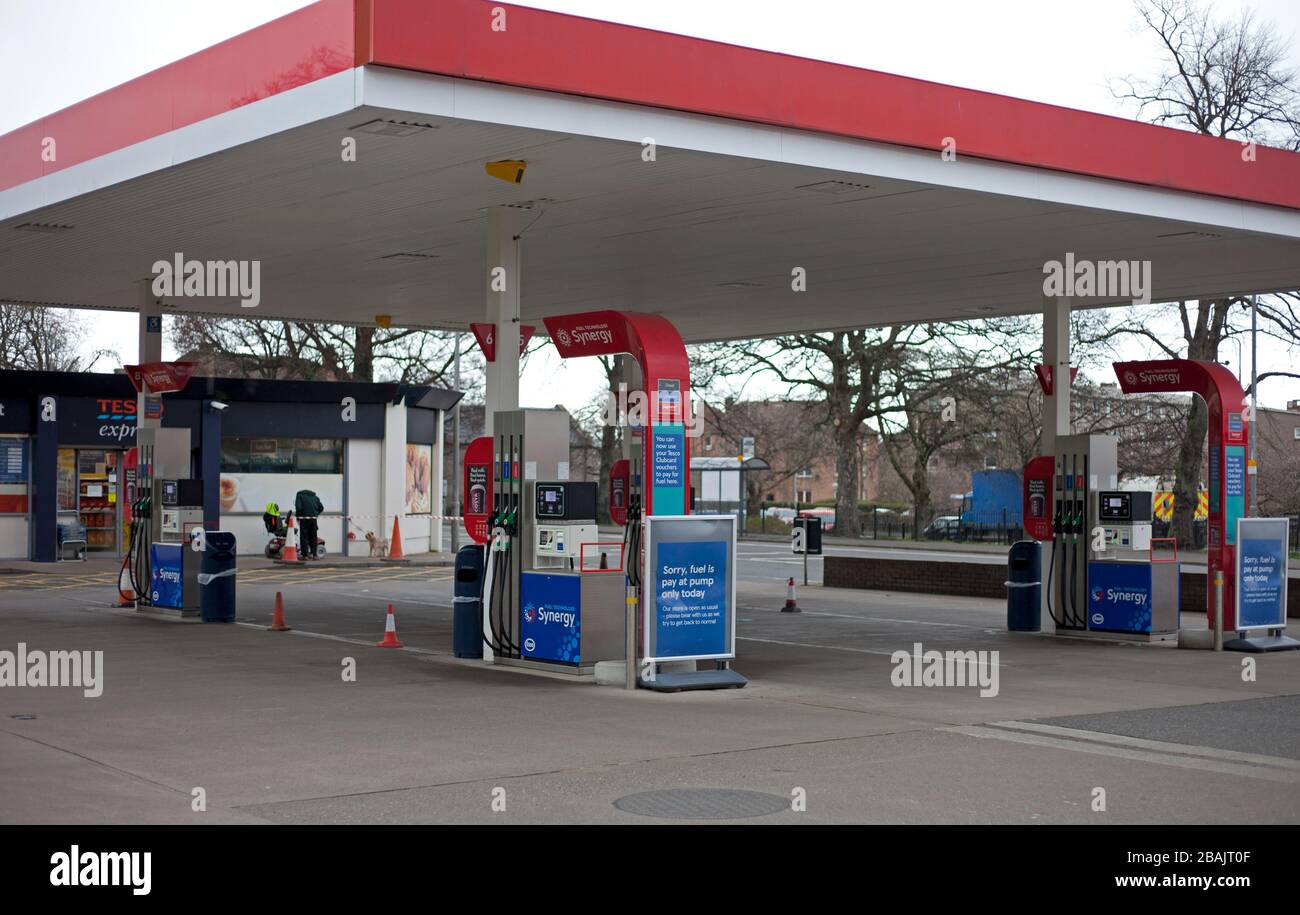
(702, 804)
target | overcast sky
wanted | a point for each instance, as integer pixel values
(56, 52)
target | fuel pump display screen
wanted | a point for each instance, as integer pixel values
(550, 500)
(1115, 506)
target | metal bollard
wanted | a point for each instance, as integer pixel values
(1218, 610)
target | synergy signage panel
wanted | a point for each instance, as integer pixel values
(551, 617)
(166, 588)
(1261, 572)
(690, 594)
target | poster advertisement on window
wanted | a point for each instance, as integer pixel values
(67, 477)
(249, 492)
(419, 477)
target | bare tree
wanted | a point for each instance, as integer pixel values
(1222, 77)
(293, 349)
(952, 397)
(45, 340)
(1225, 78)
(852, 374)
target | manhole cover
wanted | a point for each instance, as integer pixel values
(702, 804)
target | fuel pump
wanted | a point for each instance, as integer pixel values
(1098, 579)
(552, 591)
(167, 507)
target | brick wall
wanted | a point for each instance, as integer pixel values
(973, 579)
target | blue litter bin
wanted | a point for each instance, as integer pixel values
(217, 578)
(1024, 586)
(467, 611)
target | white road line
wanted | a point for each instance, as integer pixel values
(1263, 773)
(747, 638)
(881, 619)
(1124, 740)
(338, 638)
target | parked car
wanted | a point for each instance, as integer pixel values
(826, 514)
(781, 514)
(945, 527)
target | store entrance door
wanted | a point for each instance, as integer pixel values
(89, 483)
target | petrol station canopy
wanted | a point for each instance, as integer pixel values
(762, 163)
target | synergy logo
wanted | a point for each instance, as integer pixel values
(588, 333)
(1160, 376)
(1119, 596)
(545, 617)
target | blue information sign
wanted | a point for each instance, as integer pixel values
(668, 468)
(1234, 489)
(551, 617)
(13, 460)
(1261, 572)
(690, 592)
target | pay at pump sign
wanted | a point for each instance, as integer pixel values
(691, 599)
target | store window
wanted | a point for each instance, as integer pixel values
(281, 455)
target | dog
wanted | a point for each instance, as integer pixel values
(378, 545)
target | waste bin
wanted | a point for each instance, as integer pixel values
(1024, 586)
(217, 578)
(812, 536)
(467, 605)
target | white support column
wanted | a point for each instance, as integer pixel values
(150, 345)
(1056, 354)
(392, 461)
(1056, 415)
(438, 499)
(503, 280)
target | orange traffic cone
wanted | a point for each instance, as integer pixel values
(395, 544)
(125, 593)
(790, 605)
(390, 631)
(289, 552)
(277, 616)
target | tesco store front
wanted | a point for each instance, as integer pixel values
(369, 451)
